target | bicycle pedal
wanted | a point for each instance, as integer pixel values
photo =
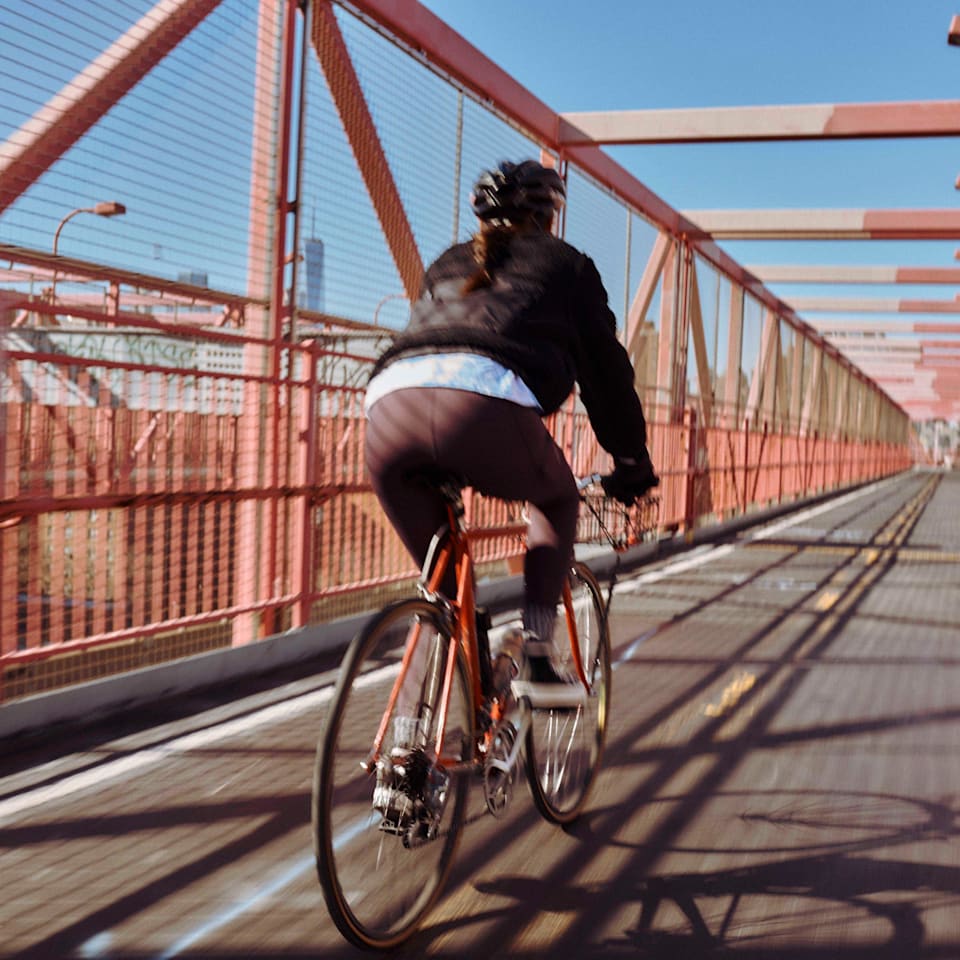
(551, 696)
(498, 768)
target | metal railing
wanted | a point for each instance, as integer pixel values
(181, 423)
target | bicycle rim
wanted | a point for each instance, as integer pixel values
(563, 747)
(376, 884)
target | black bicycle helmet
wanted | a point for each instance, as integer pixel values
(517, 191)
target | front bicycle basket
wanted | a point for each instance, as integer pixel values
(606, 521)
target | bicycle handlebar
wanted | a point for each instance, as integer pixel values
(588, 481)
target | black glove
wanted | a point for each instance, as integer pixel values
(630, 479)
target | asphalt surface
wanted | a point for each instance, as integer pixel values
(781, 779)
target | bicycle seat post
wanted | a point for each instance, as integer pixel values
(452, 492)
(443, 547)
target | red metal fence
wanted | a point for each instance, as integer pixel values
(151, 511)
(180, 459)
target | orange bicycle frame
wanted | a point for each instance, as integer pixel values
(455, 548)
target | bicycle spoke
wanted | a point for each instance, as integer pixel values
(563, 747)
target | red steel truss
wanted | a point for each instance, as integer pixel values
(199, 481)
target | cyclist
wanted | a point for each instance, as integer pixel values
(503, 328)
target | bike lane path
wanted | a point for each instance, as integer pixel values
(753, 681)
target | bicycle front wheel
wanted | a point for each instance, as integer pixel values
(384, 842)
(563, 747)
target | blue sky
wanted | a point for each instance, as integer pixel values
(622, 54)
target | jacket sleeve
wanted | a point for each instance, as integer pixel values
(604, 372)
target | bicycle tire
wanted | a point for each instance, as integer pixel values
(563, 748)
(377, 888)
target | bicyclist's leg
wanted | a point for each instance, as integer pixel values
(519, 460)
(503, 450)
(533, 468)
(399, 450)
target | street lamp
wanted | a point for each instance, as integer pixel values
(106, 208)
(953, 35)
(383, 300)
(953, 38)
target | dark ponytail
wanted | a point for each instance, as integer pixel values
(490, 245)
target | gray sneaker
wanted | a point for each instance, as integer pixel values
(543, 683)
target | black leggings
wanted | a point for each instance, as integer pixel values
(500, 448)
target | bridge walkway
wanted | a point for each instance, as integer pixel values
(781, 780)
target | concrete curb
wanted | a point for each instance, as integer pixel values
(97, 699)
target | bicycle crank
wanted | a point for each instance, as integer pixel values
(499, 767)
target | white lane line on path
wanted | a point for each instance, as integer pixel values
(707, 553)
(293, 871)
(691, 561)
(797, 518)
(633, 648)
(100, 776)
(97, 946)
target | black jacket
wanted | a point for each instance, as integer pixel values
(546, 318)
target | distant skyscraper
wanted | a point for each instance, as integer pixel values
(313, 268)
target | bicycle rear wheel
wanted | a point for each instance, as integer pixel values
(563, 747)
(382, 866)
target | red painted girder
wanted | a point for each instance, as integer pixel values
(802, 273)
(424, 31)
(828, 224)
(916, 359)
(936, 328)
(421, 29)
(883, 326)
(263, 210)
(73, 268)
(867, 305)
(63, 120)
(817, 121)
(416, 26)
(365, 142)
(877, 346)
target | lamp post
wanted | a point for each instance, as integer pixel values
(383, 300)
(953, 35)
(953, 38)
(106, 208)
